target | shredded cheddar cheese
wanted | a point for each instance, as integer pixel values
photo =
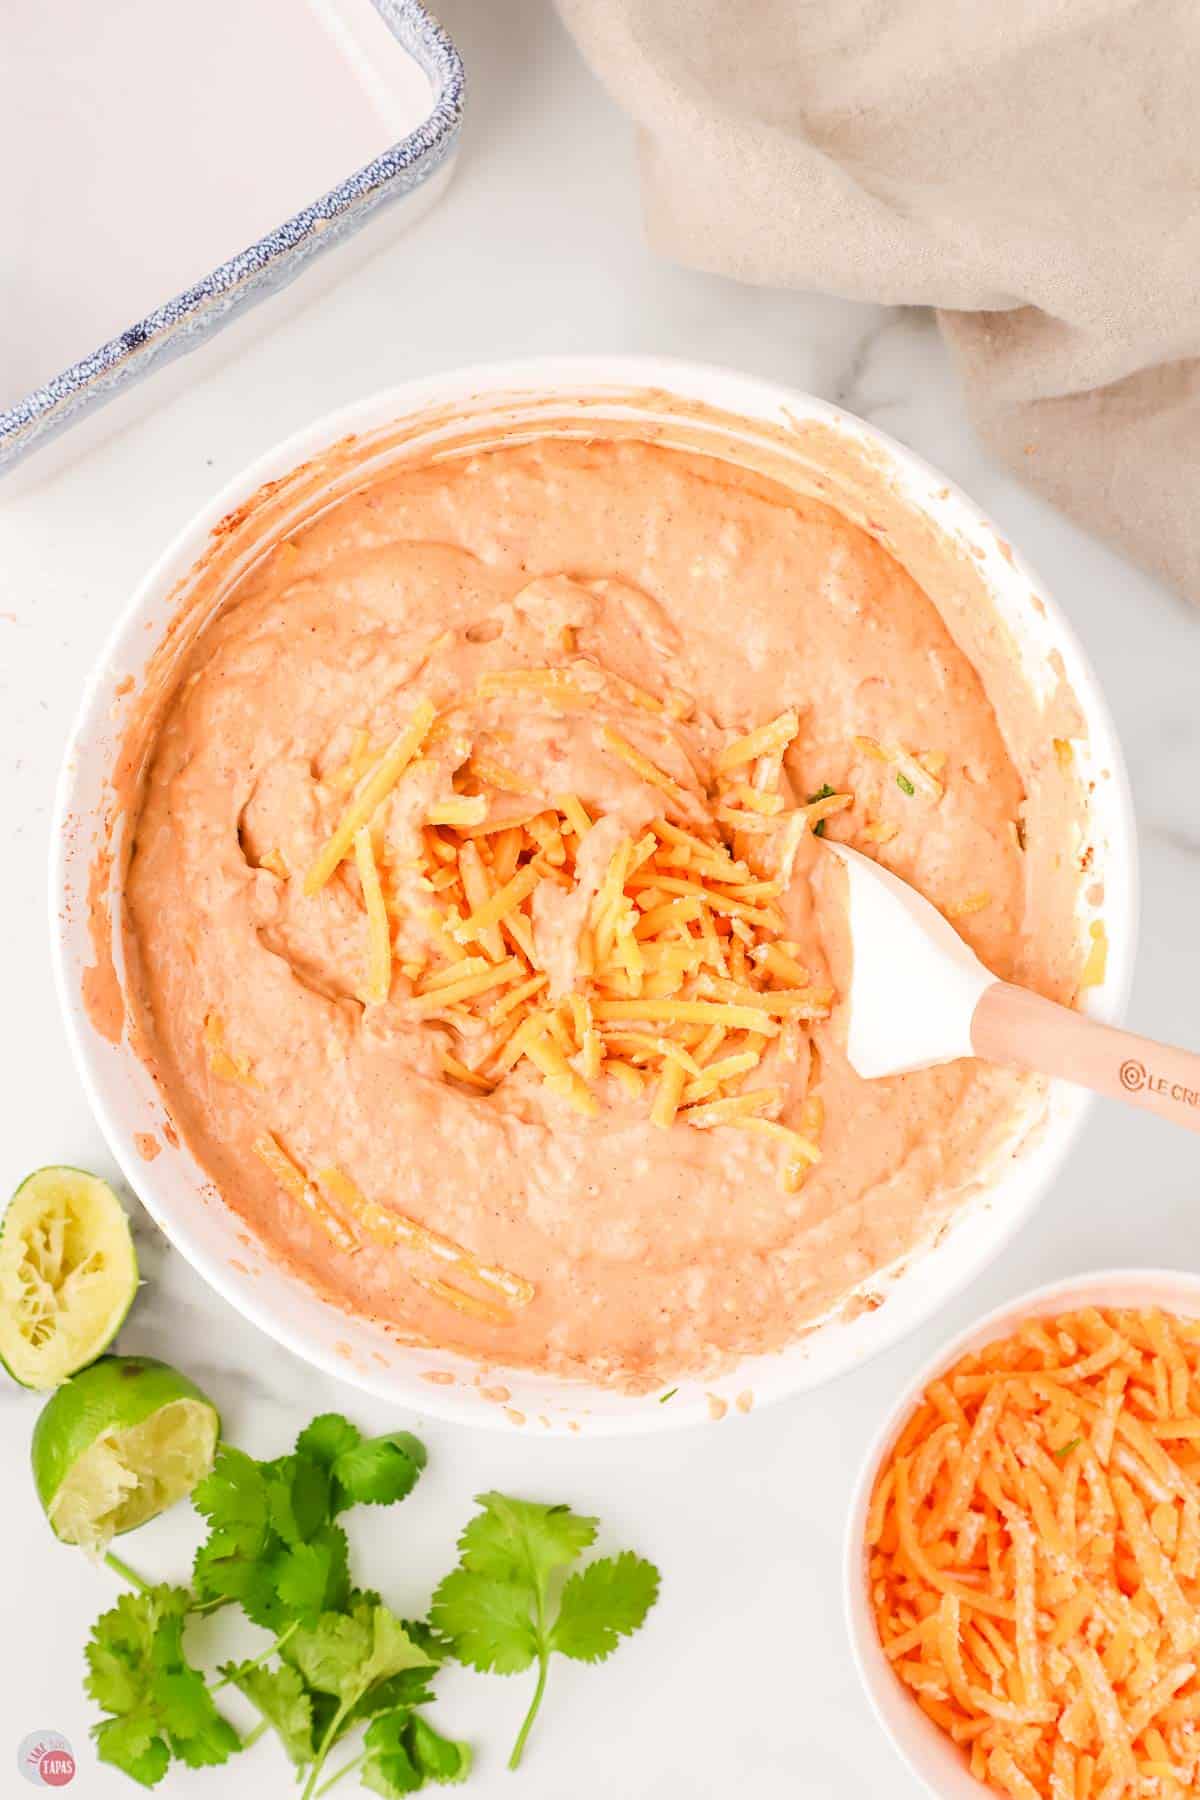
(370, 796)
(1096, 966)
(292, 1179)
(641, 764)
(917, 771)
(223, 1065)
(678, 980)
(1033, 1557)
(498, 905)
(775, 736)
(553, 685)
(575, 814)
(458, 809)
(494, 774)
(471, 1304)
(379, 926)
(970, 903)
(458, 1071)
(383, 1226)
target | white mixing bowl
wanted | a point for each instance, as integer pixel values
(759, 423)
(932, 1756)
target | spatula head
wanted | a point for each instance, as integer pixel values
(914, 984)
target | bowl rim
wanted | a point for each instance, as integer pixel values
(576, 378)
(886, 1695)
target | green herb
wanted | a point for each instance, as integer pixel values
(273, 1545)
(669, 1395)
(902, 781)
(1062, 1454)
(823, 793)
(159, 1705)
(507, 1606)
(338, 1657)
(283, 1701)
(404, 1752)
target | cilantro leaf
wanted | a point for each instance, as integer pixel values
(602, 1604)
(298, 1497)
(118, 1647)
(389, 1769)
(362, 1471)
(283, 1700)
(497, 1607)
(520, 1539)
(133, 1743)
(248, 1580)
(905, 785)
(235, 1499)
(314, 1578)
(272, 1545)
(392, 1650)
(347, 1653)
(196, 1731)
(119, 1651)
(410, 1687)
(404, 1752)
(330, 1652)
(236, 1560)
(439, 1758)
(436, 1647)
(377, 1471)
(488, 1619)
(160, 1705)
(327, 1437)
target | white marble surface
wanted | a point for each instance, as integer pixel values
(743, 1682)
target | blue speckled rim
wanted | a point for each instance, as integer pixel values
(266, 266)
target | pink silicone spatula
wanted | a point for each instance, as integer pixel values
(919, 996)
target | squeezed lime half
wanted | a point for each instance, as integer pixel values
(68, 1275)
(118, 1444)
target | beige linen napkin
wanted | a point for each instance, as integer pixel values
(1031, 168)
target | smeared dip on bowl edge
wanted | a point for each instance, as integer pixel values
(557, 687)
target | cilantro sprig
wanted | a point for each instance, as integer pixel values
(159, 1706)
(507, 1605)
(273, 1545)
(339, 1664)
(338, 1657)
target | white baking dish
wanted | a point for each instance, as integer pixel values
(161, 184)
(573, 394)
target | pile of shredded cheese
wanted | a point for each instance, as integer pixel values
(1033, 1552)
(684, 977)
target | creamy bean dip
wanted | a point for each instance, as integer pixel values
(479, 928)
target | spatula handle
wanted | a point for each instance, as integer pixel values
(1011, 1025)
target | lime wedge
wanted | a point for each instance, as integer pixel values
(118, 1444)
(68, 1275)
